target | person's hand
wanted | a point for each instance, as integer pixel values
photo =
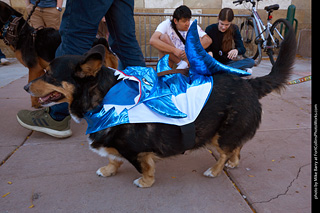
(177, 52)
(232, 54)
(180, 54)
(183, 56)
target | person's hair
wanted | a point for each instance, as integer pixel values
(226, 14)
(180, 12)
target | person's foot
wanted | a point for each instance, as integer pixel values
(248, 70)
(182, 65)
(4, 61)
(41, 121)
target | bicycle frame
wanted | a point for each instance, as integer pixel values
(259, 29)
(264, 38)
(262, 28)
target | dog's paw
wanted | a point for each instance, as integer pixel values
(136, 182)
(143, 184)
(106, 172)
(208, 173)
(211, 173)
(99, 173)
(231, 165)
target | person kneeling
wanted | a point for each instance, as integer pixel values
(169, 37)
(223, 35)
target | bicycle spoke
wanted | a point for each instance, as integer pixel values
(248, 37)
(277, 31)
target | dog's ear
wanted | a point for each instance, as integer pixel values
(93, 61)
(6, 11)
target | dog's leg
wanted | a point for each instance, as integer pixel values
(148, 169)
(111, 169)
(115, 161)
(35, 72)
(235, 158)
(224, 156)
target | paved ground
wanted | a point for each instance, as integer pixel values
(42, 174)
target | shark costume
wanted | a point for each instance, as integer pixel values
(143, 97)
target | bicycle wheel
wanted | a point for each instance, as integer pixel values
(277, 31)
(248, 37)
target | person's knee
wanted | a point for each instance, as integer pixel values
(250, 62)
(165, 38)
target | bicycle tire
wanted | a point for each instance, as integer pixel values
(278, 35)
(249, 39)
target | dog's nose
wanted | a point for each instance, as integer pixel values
(27, 87)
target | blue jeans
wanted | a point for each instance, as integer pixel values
(241, 64)
(79, 27)
(2, 55)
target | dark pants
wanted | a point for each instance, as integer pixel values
(2, 55)
(241, 64)
(79, 27)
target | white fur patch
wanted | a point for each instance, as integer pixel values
(136, 182)
(208, 173)
(49, 104)
(103, 152)
(90, 141)
(75, 118)
(229, 166)
(98, 172)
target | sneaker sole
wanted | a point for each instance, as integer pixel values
(54, 133)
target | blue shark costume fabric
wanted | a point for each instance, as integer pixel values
(143, 97)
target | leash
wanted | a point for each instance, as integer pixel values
(300, 80)
(30, 14)
(10, 31)
(174, 71)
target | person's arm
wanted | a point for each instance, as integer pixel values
(205, 41)
(239, 47)
(209, 33)
(238, 41)
(162, 46)
(27, 2)
(59, 3)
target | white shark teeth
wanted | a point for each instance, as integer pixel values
(120, 75)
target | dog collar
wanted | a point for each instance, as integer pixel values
(10, 31)
(6, 26)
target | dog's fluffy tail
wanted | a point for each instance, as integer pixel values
(281, 70)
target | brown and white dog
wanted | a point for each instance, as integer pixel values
(230, 117)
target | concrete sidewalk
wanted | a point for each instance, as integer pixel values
(42, 174)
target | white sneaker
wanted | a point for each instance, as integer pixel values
(248, 70)
(4, 61)
(182, 65)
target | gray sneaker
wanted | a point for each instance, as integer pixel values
(41, 121)
(4, 61)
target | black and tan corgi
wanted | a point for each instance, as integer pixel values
(230, 117)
